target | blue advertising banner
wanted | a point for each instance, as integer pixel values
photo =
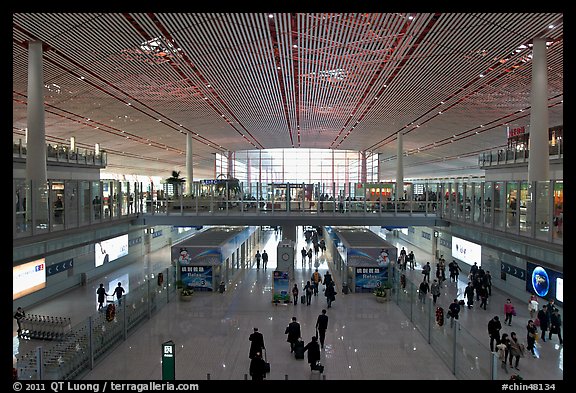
(197, 277)
(280, 287)
(369, 278)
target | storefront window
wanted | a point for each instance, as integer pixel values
(499, 205)
(512, 206)
(487, 203)
(558, 215)
(543, 214)
(525, 205)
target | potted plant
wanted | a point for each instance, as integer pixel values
(382, 293)
(186, 294)
(176, 181)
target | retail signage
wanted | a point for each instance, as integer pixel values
(197, 277)
(512, 132)
(280, 286)
(466, 251)
(369, 278)
(28, 277)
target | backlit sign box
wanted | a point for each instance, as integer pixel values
(28, 277)
(466, 251)
(108, 250)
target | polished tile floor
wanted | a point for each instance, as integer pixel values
(365, 340)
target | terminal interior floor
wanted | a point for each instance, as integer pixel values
(365, 340)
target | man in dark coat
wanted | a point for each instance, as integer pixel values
(321, 326)
(330, 293)
(494, 327)
(257, 343)
(258, 367)
(293, 332)
(555, 325)
(313, 352)
(543, 318)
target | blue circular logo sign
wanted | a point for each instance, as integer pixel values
(540, 281)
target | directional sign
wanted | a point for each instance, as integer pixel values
(59, 267)
(513, 270)
(168, 361)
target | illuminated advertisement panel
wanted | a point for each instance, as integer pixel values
(466, 251)
(108, 250)
(28, 278)
(544, 282)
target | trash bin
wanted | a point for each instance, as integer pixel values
(222, 287)
(83, 279)
(345, 288)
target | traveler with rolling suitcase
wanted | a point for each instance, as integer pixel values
(299, 349)
(293, 332)
(313, 349)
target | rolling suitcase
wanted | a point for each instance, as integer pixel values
(303, 299)
(299, 349)
(318, 367)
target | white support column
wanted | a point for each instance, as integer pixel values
(36, 141)
(399, 168)
(189, 164)
(538, 160)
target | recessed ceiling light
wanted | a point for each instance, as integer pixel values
(270, 16)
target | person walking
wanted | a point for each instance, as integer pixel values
(293, 332)
(469, 294)
(503, 350)
(423, 291)
(322, 326)
(556, 325)
(410, 258)
(330, 293)
(517, 350)
(264, 259)
(313, 352)
(309, 256)
(509, 311)
(257, 367)
(543, 320)
(435, 291)
(258, 256)
(119, 291)
(426, 271)
(531, 332)
(295, 293)
(316, 280)
(494, 327)
(533, 306)
(256, 343)
(309, 291)
(488, 282)
(453, 311)
(101, 292)
(304, 253)
(18, 316)
(483, 291)
(328, 278)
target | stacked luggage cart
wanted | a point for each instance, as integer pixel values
(44, 327)
(73, 355)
